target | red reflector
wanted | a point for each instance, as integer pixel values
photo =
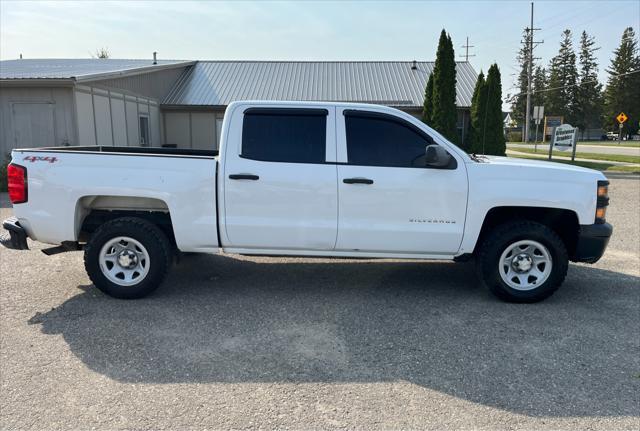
(17, 182)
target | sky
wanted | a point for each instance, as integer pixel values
(308, 30)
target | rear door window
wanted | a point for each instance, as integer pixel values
(284, 135)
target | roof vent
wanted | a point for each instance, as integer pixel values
(155, 59)
(414, 65)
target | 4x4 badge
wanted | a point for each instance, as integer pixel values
(33, 159)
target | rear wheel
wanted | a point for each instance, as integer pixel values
(523, 261)
(127, 257)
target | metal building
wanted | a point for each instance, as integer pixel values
(50, 102)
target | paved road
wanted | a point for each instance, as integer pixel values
(239, 342)
(598, 149)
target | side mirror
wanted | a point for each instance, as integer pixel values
(437, 157)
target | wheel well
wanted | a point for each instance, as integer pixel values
(562, 221)
(96, 218)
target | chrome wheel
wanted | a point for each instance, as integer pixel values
(525, 265)
(124, 261)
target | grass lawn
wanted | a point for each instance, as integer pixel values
(630, 144)
(605, 167)
(592, 156)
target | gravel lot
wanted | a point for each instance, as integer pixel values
(244, 342)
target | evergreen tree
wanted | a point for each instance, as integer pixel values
(539, 86)
(478, 103)
(519, 101)
(444, 115)
(427, 110)
(623, 87)
(589, 93)
(563, 78)
(486, 115)
(493, 128)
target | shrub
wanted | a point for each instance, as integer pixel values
(514, 137)
(3, 172)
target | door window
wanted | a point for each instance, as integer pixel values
(381, 140)
(285, 135)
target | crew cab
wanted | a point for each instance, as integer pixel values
(310, 179)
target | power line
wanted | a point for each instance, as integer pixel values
(577, 84)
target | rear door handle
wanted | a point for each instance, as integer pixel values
(357, 181)
(244, 177)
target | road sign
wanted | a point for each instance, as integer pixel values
(538, 113)
(622, 117)
(550, 122)
(564, 137)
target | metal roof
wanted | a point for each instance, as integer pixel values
(392, 83)
(79, 69)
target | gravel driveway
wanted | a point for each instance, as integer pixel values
(247, 342)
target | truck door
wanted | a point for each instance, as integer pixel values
(389, 200)
(280, 192)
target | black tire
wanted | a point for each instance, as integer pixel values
(501, 237)
(149, 235)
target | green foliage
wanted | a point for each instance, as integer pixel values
(519, 101)
(3, 172)
(486, 115)
(589, 101)
(514, 136)
(623, 89)
(493, 126)
(444, 115)
(427, 110)
(563, 79)
(540, 79)
(478, 105)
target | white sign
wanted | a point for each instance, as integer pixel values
(538, 113)
(564, 137)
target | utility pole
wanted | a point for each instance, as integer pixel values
(466, 55)
(530, 42)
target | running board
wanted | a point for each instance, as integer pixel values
(63, 248)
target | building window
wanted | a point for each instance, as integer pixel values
(285, 135)
(145, 137)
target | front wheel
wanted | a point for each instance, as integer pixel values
(127, 258)
(523, 261)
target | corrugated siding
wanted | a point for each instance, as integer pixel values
(392, 83)
(59, 68)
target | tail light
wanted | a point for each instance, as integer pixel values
(602, 201)
(17, 182)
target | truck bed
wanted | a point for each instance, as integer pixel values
(150, 151)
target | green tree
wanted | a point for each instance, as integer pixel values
(427, 109)
(539, 86)
(563, 78)
(589, 101)
(519, 100)
(486, 115)
(493, 133)
(478, 103)
(444, 115)
(623, 86)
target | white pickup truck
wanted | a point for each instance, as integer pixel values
(310, 179)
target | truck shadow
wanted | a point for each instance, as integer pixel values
(228, 320)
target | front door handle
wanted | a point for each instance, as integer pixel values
(244, 177)
(357, 181)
